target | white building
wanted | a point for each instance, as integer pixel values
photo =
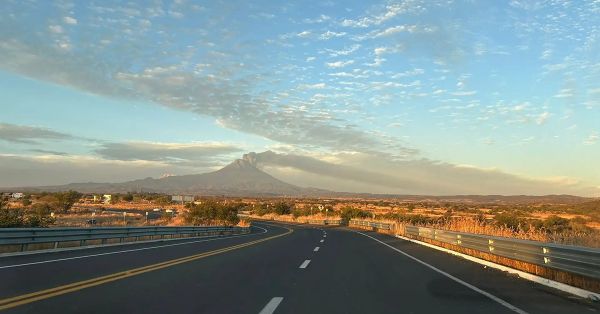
(106, 198)
(17, 195)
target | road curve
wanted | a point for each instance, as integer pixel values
(271, 270)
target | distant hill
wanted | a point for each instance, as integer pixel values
(243, 178)
(240, 178)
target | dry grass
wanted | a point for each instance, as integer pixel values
(244, 223)
(471, 225)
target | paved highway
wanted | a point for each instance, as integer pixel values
(278, 268)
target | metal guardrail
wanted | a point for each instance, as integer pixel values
(28, 236)
(373, 224)
(333, 222)
(573, 259)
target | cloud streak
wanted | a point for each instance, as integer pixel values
(367, 173)
(166, 152)
(29, 134)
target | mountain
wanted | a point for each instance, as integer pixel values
(243, 178)
(239, 178)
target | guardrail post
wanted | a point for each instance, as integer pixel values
(546, 251)
(56, 244)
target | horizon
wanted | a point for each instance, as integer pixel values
(353, 195)
(394, 97)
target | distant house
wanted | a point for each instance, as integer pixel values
(182, 198)
(17, 195)
(106, 198)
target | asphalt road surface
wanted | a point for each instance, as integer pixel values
(278, 268)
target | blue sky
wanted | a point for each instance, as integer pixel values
(451, 96)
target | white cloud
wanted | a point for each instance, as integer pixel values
(378, 61)
(379, 51)
(348, 74)
(329, 34)
(310, 59)
(412, 72)
(176, 14)
(313, 86)
(592, 138)
(339, 64)
(464, 93)
(343, 52)
(389, 13)
(546, 54)
(565, 93)
(397, 29)
(304, 34)
(322, 18)
(57, 29)
(542, 118)
(70, 20)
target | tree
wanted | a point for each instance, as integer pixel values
(511, 221)
(11, 218)
(128, 197)
(211, 212)
(66, 200)
(114, 199)
(38, 216)
(556, 224)
(163, 200)
(26, 200)
(282, 208)
(350, 212)
(298, 211)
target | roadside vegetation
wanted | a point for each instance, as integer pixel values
(209, 213)
(576, 223)
(555, 229)
(36, 216)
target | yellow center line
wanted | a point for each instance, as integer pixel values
(56, 291)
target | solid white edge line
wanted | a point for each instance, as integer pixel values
(531, 277)
(271, 306)
(305, 264)
(466, 284)
(316, 249)
(131, 250)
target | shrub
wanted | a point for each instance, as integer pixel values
(38, 216)
(298, 211)
(65, 200)
(282, 208)
(509, 220)
(556, 224)
(211, 213)
(349, 212)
